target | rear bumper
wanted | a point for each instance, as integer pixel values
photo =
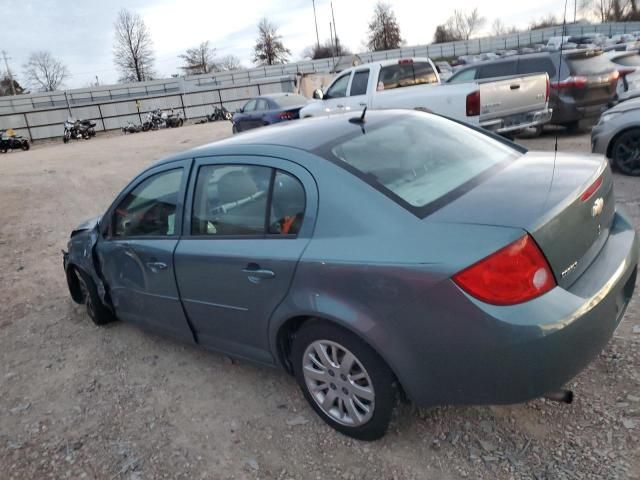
(565, 112)
(485, 354)
(518, 122)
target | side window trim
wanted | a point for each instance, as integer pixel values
(298, 172)
(106, 227)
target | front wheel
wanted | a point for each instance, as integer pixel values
(25, 145)
(234, 129)
(344, 380)
(626, 152)
(99, 314)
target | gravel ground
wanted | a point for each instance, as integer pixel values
(78, 401)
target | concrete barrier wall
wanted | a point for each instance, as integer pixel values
(48, 122)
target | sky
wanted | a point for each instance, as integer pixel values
(80, 34)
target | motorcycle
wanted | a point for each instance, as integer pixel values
(130, 127)
(153, 120)
(172, 119)
(78, 129)
(219, 113)
(9, 140)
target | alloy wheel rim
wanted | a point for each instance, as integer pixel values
(627, 155)
(338, 383)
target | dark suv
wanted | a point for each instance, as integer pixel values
(585, 87)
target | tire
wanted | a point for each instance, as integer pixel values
(234, 129)
(180, 122)
(575, 127)
(65, 138)
(25, 145)
(99, 314)
(359, 408)
(625, 152)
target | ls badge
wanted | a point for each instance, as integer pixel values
(597, 207)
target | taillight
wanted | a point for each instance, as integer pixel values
(514, 274)
(546, 93)
(623, 72)
(287, 116)
(473, 104)
(588, 193)
(577, 81)
(405, 61)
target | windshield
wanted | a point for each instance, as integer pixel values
(419, 158)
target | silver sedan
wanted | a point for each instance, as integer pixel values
(617, 136)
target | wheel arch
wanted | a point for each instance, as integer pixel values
(618, 135)
(285, 334)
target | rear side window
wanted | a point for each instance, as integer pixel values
(499, 69)
(406, 75)
(589, 65)
(537, 65)
(418, 159)
(359, 83)
(230, 200)
(262, 104)
(287, 205)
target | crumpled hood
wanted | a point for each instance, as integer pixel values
(86, 225)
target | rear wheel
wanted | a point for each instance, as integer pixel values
(575, 127)
(99, 314)
(180, 122)
(626, 152)
(234, 129)
(344, 380)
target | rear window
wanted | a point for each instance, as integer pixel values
(537, 65)
(589, 65)
(628, 60)
(359, 83)
(406, 75)
(420, 160)
(499, 69)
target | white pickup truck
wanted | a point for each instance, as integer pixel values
(504, 106)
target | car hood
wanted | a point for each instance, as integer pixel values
(87, 225)
(633, 104)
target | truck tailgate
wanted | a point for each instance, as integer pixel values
(513, 95)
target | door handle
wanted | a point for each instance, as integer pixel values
(155, 267)
(362, 104)
(515, 86)
(255, 273)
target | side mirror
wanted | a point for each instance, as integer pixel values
(239, 110)
(317, 94)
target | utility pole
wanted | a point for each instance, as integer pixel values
(335, 32)
(575, 10)
(315, 19)
(6, 64)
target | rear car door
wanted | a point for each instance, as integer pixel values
(135, 251)
(357, 98)
(248, 220)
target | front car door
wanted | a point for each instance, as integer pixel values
(248, 220)
(135, 251)
(246, 115)
(357, 98)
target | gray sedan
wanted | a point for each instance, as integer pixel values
(617, 136)
(401, 254)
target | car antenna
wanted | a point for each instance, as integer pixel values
(359, 120)
(564, 31)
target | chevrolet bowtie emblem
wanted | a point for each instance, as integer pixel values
(597, 207)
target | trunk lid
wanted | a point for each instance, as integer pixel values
(543, 197)
(599, 78)
(512, 95)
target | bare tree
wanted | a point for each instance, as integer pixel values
(384, 31)
(5, 86)
(545, 22)
(44, 72)
(229, 62)
(133, 47)
(199, 59)
(465, 24)
(443, 35)
(269, 49)
(612, 10)
(328, 49)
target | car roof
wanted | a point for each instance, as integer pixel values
(306, 134)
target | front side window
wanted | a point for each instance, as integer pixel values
(150, 208)
(230, 200)
(418, 158)
(250, 106)
(339, 87)
(406, 75)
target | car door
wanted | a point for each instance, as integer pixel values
(259, 117)
(246, 116)
(357, 98)
(334, 99)
(135, 251)
(248, 221)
